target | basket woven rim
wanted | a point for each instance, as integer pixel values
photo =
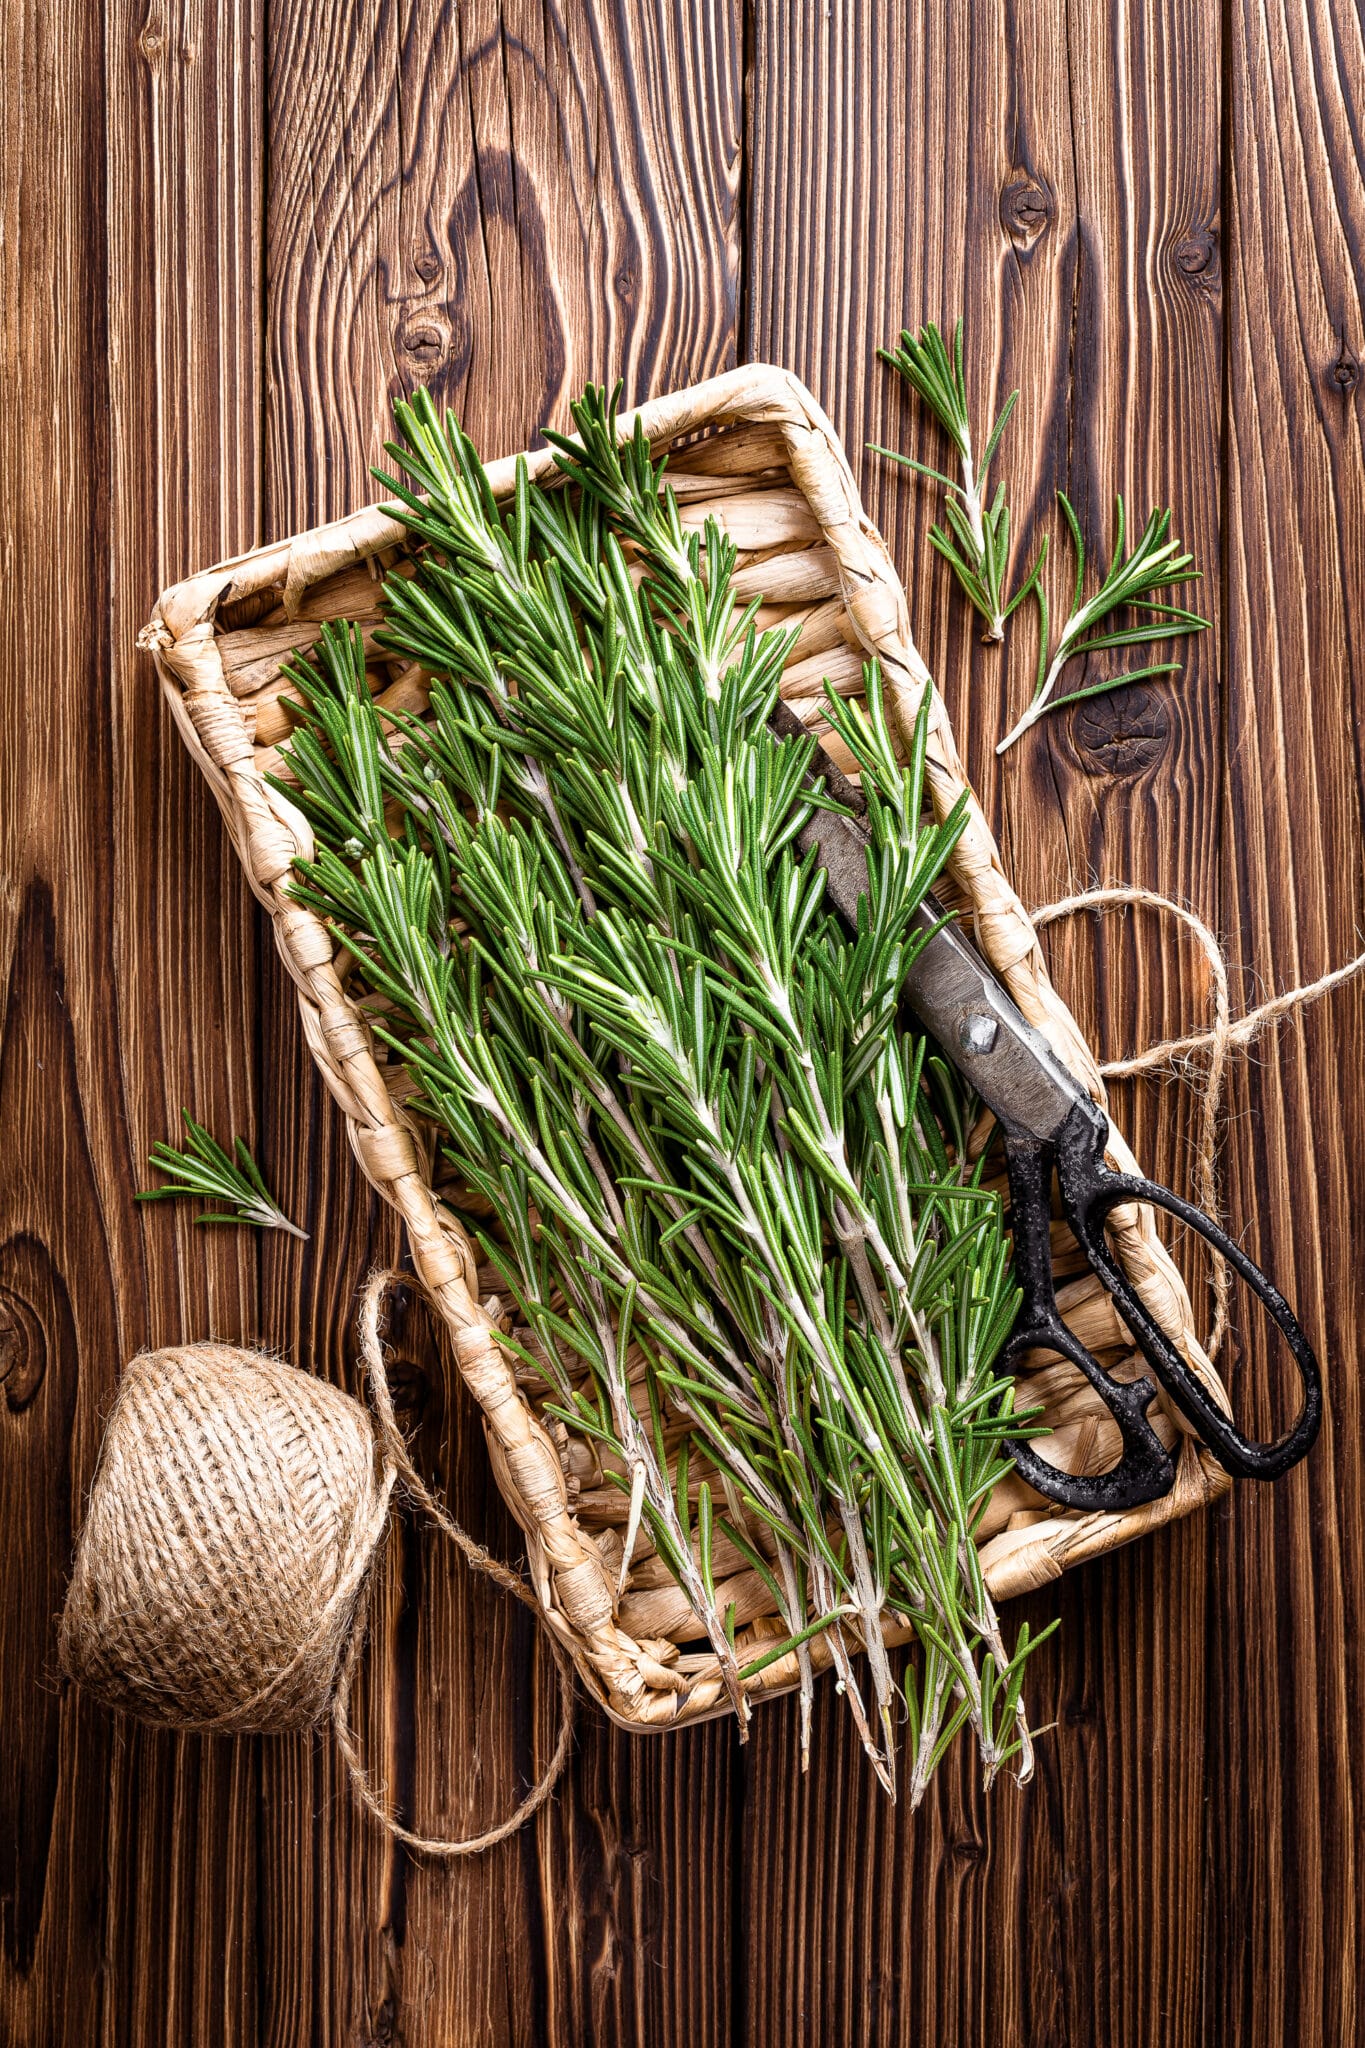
(571, 1577)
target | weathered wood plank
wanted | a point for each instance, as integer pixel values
(184, 227)
(1052, 173)
(495, 202)
(502, 203)
(131, 259)
(1285, 1620)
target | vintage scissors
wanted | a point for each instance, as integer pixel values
(1050, 1123)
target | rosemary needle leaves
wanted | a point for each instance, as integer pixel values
(205, 1170)
(724, 1184)
(977, 546)
(1157, 564)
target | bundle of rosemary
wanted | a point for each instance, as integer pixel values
(724, 1182)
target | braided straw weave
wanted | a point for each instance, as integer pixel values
(760, 454)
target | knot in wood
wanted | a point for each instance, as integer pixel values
(410, 1385)
(1025, 210)
(151, 41)
(1123, 733)
(425, 340)
(1195, 257)
(23, 1350)
(1345, 371)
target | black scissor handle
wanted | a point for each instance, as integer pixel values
(1089, 1191)
(1145, 1470)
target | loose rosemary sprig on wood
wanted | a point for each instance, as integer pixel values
(205, 1170)
(977, 548)
(1130, 583)
(729, 1186)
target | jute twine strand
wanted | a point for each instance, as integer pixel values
(396, 1453)
(1219, 1040)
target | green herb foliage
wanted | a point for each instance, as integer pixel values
(1131, 584)
(977, 544)
(722, 1181)
(205, 1170)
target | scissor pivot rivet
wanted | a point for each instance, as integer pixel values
(978, 1031)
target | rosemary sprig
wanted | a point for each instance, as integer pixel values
(977, 547)
(206, 1171)
(1130, 583)
(728, 1186)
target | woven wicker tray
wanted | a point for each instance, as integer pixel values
(756, 450)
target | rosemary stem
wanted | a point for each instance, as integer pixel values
(640, 1452)
(275, 1219)
(1030, 718)
(972, 490)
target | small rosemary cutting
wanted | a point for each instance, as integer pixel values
(723, 1182)
(205, 1170)
(977, 549)
(1132, 583)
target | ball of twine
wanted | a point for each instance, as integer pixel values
(235, 1517)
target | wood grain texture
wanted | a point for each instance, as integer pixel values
(132, 242)
(1286, 1762)
(233, 230)
(495, 201)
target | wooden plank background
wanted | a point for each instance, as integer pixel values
(232, 231)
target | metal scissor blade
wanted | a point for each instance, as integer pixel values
(952, 991)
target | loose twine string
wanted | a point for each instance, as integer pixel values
(396, 1456)
(1218, 1040)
